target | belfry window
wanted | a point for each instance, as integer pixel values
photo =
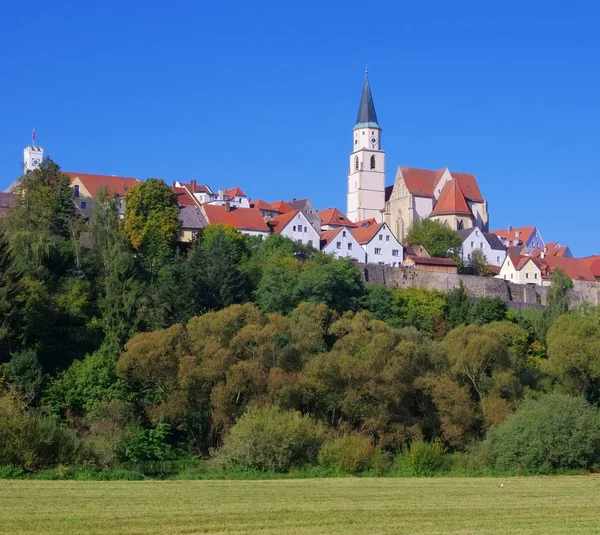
(356, 163)
(372, 162)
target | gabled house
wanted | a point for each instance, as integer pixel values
(332, 218)
(340, 243)
(87, 186)
(380, 244)
(489, 244)
(553, 249)
(308, 209)
(201, 192)
(520, 270)
(247, 220)
(192, 222)
(266, 210)
(530, 237)
(281, 206)
(295, 226)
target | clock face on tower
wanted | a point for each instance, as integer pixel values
(373, 140)
(35, 161)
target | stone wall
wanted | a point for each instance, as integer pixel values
(514, 295)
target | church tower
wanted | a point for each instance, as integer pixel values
(366, 177)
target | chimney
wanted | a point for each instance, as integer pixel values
(227, 206)
(293, 199)
(509, 229)
(193, 185)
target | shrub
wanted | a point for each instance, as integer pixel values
(552, 433)
(149, 444)
(32, 440)
(423, 458)
(351, 453)
(268, 438)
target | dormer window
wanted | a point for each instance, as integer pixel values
(75, 190)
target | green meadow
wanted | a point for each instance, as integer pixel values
(346, 506)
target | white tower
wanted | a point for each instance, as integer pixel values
(32, 156)
(366, 177)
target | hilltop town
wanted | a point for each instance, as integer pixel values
(377, 219)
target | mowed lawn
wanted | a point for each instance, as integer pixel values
(543, 505)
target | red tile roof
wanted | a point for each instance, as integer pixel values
(364, 235)
(332, 216)
(366, 222)
(327, 236)
(281, 221)
(184, 197)
(432, 261)
(524, 234)
(113, 184)
(550, 251)
(451, 201)
(281, 206)
(574, 268)
(193, 187)
(262, 205)
(422, 182)
(239, 218)
(518, 261)
(593, 264)
(234, 192)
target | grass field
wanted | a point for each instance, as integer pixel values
(463, 506)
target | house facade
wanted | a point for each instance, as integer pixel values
(520, 270)
(295, 226)
(247, 220)
(529, 237)
(308, 209)
(380, 244)
(340, 243)
(489, 244)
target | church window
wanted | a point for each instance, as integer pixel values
(356, 163)
(372, 162)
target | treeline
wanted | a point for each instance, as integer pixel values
(119, 346)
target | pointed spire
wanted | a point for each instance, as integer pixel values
(367, 118)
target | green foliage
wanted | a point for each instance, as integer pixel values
(26, 373)
(487, 310)
(423, 458)
(350, 453)
(151, 220)
(420, 308)
(149, 444)
(278, 287)
(458, 306)
(438, 240)
(379, 300)
(268, 438)
(550, 433)
(32, 440)
(478, 264)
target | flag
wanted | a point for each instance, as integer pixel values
(33, 135)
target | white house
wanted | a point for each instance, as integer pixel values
(489, 244)
(342, 244)
(528, 236)
(332, 218)
(380, 244)
(295, 226)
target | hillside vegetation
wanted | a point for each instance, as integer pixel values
(119, 347)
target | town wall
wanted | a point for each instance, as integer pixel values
(521, 296)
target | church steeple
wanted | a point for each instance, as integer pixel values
(367, 118)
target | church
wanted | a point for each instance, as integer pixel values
(452, 198)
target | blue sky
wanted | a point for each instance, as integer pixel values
(264, 95)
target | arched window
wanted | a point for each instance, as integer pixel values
(372, 162)
(356, 163)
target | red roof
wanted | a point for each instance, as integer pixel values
(262, 205)
(239, 218)
(366, 222)
(113, 184)
(364, 235)
(281, 221)
(524, 234)
(574, 268)
(328, 236)
(332, 216)
(551, 251)
(193, 187)
(432, 261)
(184, 197)
(234, 192)
(451, 200)
(281, 206)
(518, 261)
(593, 264)
(422, 182)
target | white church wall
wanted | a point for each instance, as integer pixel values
(423, 206)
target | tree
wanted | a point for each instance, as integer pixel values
(379, 300)
(151, 220)
(438, 240)
(574, 354)
(278, 287)
(479, 265)
(458, 306)
(486, 310)
(557, 303)
(337, 283)
(420, 308)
